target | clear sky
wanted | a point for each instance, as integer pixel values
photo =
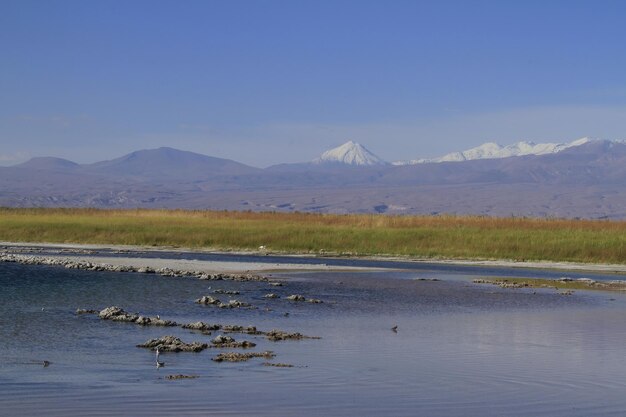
(264, 82)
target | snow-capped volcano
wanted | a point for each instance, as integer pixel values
(492, 150)
(350, 153)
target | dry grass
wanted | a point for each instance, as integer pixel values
(422, 236)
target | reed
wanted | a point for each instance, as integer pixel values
(459, 237)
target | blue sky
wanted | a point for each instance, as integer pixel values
(281, 81)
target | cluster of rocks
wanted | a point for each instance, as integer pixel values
(241, 357)
(115, 313)
(173, 344)
(118, 314)
(91, 266)
(273, 335)
(208, 300)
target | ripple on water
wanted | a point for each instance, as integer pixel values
(460, 349)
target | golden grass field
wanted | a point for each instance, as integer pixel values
(593, 241)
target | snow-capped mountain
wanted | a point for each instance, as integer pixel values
(350, 153)
(492, 150)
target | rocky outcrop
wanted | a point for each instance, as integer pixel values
(234, 304)
(299, 297)
(271, 295)
(241, 329)
(222, 341)
(201, 326)
(115, 313)
(173, 344)
(276, 335)
(208, 300)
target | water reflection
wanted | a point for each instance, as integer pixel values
(461, 349)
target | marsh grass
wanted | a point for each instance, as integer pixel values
(419, 236)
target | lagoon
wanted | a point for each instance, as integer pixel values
(461, 349)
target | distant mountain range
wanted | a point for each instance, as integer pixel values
(584, 178)
(491, 150)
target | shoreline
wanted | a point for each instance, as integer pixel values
(238, 267)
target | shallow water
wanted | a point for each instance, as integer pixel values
(461, 349)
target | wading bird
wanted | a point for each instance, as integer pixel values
(158, 364)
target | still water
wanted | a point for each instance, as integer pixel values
(461, 349)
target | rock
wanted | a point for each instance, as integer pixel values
(241, 357)
(276, 284)
(161, 322)
(207, 299)
(153, 321)
(278, 365)
(228, 292)
(145, 270)
(234, 304)
(143, 320)
(228, 342)
(276, 335)
(118, 314)
(241, 329)
(173, 344)
(86, 311)
(271, 295)
(221, 339)
(314, 301)
(166, 272)
(181, 376)
(201, 326)
(296, 297)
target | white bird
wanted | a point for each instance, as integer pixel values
(158, 364)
